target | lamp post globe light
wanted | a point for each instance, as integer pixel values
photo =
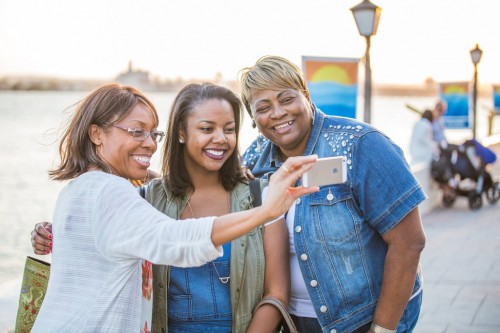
(367, 15)
(475, 55)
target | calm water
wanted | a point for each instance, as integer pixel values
(31, 120)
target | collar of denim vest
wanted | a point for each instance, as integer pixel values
(274, 159)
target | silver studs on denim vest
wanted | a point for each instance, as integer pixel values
(341, 143)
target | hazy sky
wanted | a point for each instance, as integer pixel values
(198, 38)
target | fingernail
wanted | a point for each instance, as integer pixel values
(50, 236)
(48, 252)
(50, 244)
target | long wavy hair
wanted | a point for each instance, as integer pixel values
(105, 106)
(174, 171)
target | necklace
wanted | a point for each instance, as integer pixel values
(222, 279)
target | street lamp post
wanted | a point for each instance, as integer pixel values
(475, 55)
(367, 15)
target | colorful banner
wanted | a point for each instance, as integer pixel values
(496, 99)
(333, 84)
(456, 94)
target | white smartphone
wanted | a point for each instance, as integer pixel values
(326, 171)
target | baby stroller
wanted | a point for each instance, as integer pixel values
(461, 171)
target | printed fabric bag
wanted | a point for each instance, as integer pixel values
(33, 288)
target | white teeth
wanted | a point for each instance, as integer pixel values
(142, 159)
(283, 125)
(215, 152)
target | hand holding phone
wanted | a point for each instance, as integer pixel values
(326, 171)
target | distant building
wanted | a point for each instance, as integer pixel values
(143, 80)
(136, 78)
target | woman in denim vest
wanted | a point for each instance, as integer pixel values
(354, 246)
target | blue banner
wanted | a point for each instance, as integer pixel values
(457, 97)
(332, 84)
(496, 99)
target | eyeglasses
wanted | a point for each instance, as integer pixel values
(140, 134)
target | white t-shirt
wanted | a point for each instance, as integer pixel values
(101, 230)
(300, 303)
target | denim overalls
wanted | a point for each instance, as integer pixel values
(246, 269)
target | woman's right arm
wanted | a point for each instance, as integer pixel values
(126, 232)
(127, 227)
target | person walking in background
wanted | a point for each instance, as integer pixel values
(354, 246)
(438, 125)
(103, 228)
(423, 148)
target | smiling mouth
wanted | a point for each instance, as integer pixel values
(144, 160)
(283, 126)
(216, 154)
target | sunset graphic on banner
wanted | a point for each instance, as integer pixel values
(333, 84)
(456, 94)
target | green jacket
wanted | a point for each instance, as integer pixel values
(246, 267)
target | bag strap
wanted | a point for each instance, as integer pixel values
(255, 191)
(282, 309)
(142, 191)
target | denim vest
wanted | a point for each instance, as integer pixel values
(338, 230)
(247, 263)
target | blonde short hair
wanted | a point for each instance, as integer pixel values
(270, 73)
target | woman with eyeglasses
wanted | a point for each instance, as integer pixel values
(102, 228)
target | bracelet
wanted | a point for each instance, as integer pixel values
(379, 329)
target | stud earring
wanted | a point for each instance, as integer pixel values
(181, 141)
